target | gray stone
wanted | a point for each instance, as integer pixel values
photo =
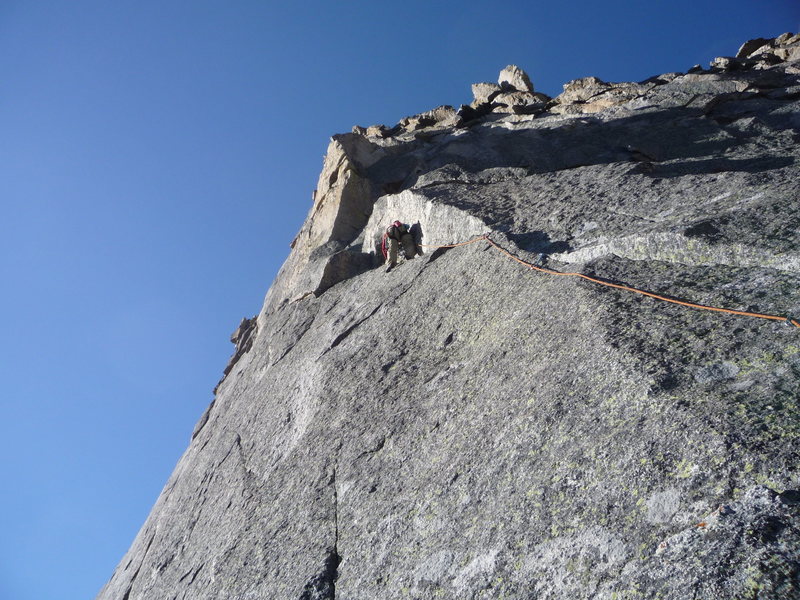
(665, 77)
(509, 100)
(580, 90)
(717, 372)
(588, 96)
(750, 46)
(242, 339)
(795, 39)
(515, 78)
(377, 131)
(344, 265)
(756, 519)
(766, 49)
(782, 48)
(484, 92)
(662, 506)
(465, 427)
(725, 63)
(788, 54)
(441, 116)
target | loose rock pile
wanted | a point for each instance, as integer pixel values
(514, 92)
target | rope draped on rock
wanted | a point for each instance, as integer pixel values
(626, 288)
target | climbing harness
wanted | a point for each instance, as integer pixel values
(386, 236)
(787, 319)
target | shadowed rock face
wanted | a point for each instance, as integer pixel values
(463, 427)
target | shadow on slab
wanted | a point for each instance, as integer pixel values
(538, 241)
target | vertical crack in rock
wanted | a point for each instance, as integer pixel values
(127, 594)
(323, 585)
(333, 560)
(250, 483)
(243, 457)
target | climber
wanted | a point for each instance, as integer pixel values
(396, 233)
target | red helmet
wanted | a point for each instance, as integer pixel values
(397, 224)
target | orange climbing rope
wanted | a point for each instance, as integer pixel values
(618, 286)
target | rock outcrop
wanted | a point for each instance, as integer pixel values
(514, 78)
(465, 427)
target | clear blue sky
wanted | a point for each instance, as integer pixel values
(156, 158)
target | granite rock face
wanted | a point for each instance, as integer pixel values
(464, 427)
